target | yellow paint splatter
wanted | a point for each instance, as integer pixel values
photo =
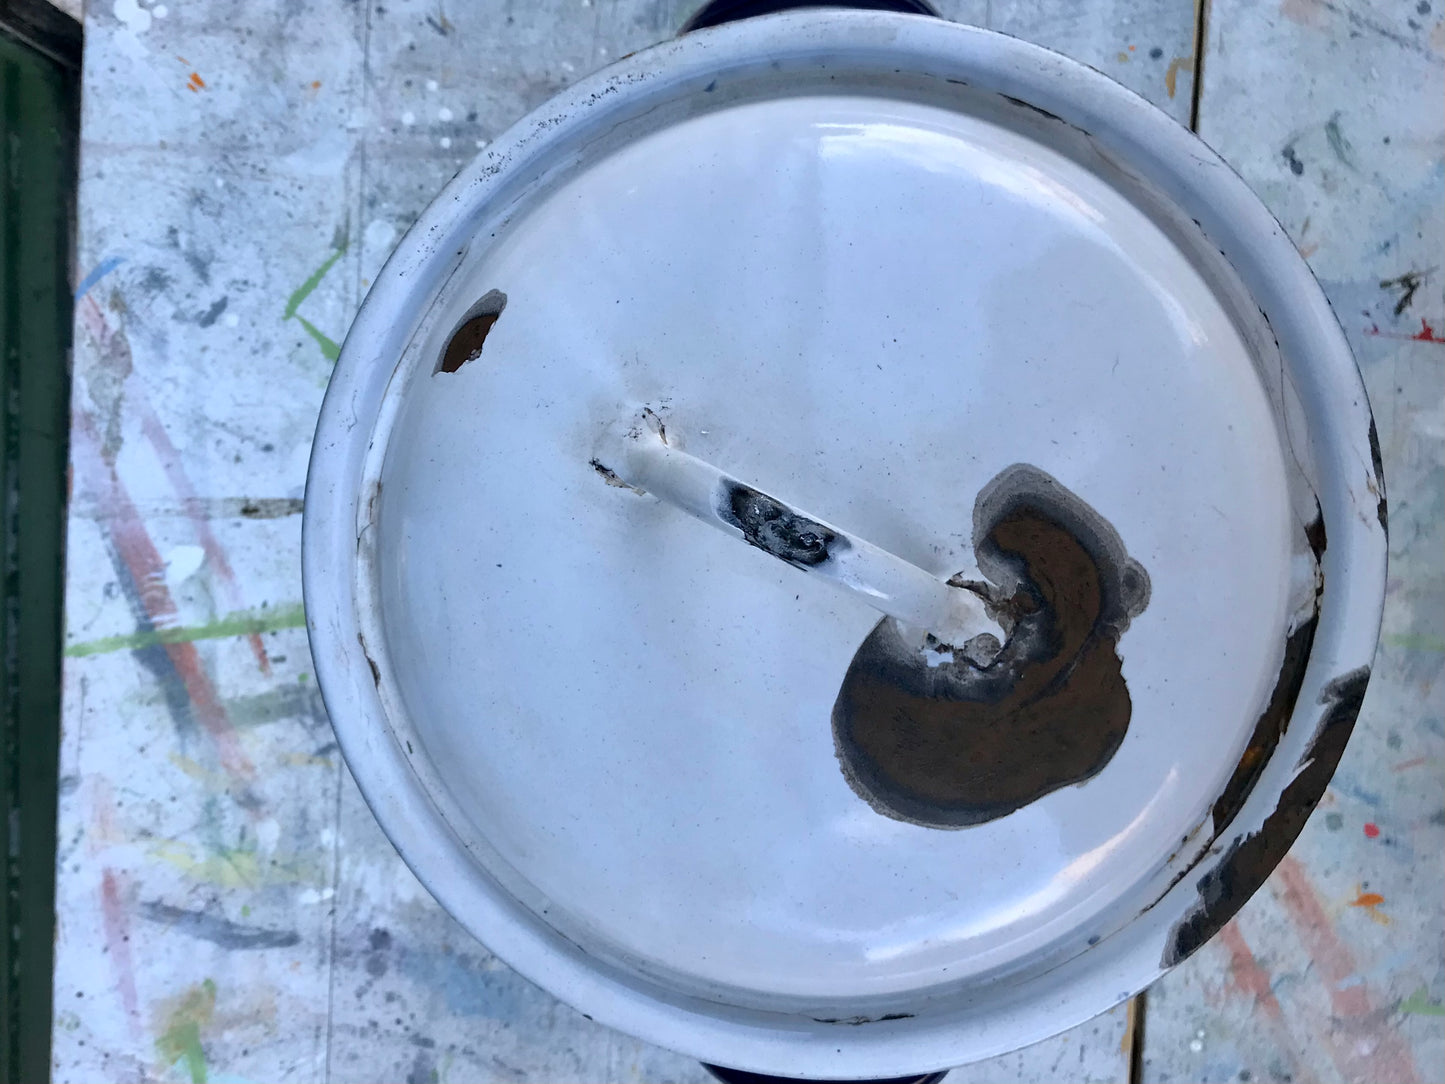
(1171, 76)
(1123, 57)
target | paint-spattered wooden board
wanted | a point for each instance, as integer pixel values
(1334, 971)
(228, 906)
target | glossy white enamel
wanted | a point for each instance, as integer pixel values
(870, 308)
(864, 263)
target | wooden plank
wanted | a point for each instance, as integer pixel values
(1331, 111)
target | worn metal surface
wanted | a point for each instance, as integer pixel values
(227, 903)
(1334, 971)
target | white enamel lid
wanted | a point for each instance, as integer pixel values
(900, 302)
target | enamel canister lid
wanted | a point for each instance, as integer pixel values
(844, 544)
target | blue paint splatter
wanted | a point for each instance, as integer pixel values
(98, 272)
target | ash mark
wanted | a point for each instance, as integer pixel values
(466, 341)
(773, 527)
(960, 743)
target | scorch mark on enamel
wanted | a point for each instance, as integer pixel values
(953, 743)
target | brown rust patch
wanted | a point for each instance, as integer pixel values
(466, 341)
(1250, 860)
(948, 742)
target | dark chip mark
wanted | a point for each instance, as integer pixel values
(608, 475)
(855, 1021)
(1315, 534)
(1250, 860)
(466, 342)
(1377, 461)
(773, 527)
(1292, 160)
(1030, 105)
(1270, 726)
(954, 743)
(375, 670)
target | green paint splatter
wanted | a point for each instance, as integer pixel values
(1419, 1003)
(327, 344)
(181, 1041)
(1415, 642)
(309, 286)
(329, 349)
(241, 623)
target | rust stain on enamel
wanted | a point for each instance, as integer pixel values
(936, 739)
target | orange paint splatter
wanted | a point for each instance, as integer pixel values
(316, 84)
(196, 82)
(1372, 830)
(1171, 74)
(1368, 902)
(1132, 48)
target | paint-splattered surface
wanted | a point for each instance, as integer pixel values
(1334, 971)
(228, 909)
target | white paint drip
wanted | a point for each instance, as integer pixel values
(231, 319)
(444, 113)
(445, 142)
(431, 84)
(183, 562)
(132, 16)
(408, 118)
(268, 833)
(160, 11)
(311, 895)
(378, 236)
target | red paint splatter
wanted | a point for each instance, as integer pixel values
(1426, 334)
(1372, 830)
(117, 943)
(134, 545)
(1410, 764)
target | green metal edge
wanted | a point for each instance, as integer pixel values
(39, 110)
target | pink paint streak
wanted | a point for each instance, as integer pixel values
(1246, 975)
(117, 943)
(1388, 1056)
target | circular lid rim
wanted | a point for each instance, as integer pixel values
(941, 1033)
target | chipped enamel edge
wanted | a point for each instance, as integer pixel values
(943, 1028)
